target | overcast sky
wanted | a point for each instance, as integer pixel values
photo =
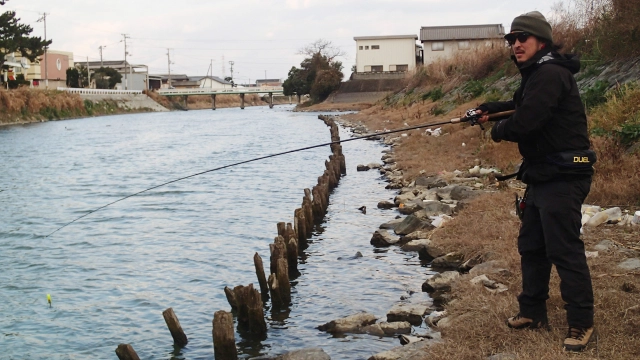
(262, 37)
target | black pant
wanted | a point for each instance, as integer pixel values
(550, 234)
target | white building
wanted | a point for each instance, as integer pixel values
(445, 41)
(381, 54)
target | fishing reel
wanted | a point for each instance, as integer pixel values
(472, 117)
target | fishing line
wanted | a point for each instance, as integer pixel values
(452, 121)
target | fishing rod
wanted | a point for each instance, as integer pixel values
(472, 119)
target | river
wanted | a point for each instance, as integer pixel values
(111, 274)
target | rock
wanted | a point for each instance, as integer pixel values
(404, 198)
(348, 324)
(432, 319)
(490, 267)
(440, 220)
(449, 261)
(362, 168)
(429, 253)
(386, 205)
(305, 354)
(444, 323)
(469, 264)
(411, 313)
(416, 235)
(408, 208)
(391, 224)
(416, 245)
(604, 245)
(387, 328)
(462, 193)
(432, 208)
(479, 279)
(382, 238)
(375, 166)
(410, 224)
(630, 264)
(430, 182)
(416, 350)
(440, 282)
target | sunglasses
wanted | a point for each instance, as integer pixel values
(520, 36)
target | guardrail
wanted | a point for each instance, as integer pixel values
(99, 91)
(210, 91)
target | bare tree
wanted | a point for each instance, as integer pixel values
(322, 47)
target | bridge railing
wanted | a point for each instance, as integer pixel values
(211, 91)
(99, 91)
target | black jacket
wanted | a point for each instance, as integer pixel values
(549, 117)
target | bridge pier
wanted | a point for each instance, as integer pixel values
(242, 101)
(186, 104)
(213, 101)
(270, 100)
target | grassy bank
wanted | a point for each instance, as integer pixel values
(26, 105)
(487, 227)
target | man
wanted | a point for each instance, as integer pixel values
(550, 127)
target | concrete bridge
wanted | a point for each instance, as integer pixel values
(270, 90)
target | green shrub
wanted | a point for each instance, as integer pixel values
(474, 88)
(595, 95)
(436, 94)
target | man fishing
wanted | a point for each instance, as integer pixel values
(550, 127)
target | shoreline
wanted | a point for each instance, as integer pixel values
(480, 279)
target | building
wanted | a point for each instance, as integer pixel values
(39, 73)
(394, 54)
(183, 81)
(444, 41)
(134, 77)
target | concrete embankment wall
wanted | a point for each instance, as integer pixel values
(365, 91)
(127, 101)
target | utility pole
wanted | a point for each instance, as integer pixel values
(126, 83)
(211, 67)
(231, 64)
(169, 64)
(101, 48)
(43, 18)
(88, 74)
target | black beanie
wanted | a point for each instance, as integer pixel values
(535, 23)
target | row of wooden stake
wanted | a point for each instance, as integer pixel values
(247, 302)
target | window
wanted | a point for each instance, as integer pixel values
(376, 68)
(402, 67)
(375, 47)
(463, 45)
(360, 48)
(366, 47)
(437, 46)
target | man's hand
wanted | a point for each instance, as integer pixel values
(484, 116)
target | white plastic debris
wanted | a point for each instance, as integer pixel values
(488, 171)
(591, 254)
(636, 218)
(590, 209)
(613, 215)
(436, 132)
(474, 170)
(439, 220)
(463, 144)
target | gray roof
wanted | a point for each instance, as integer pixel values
(214, 78)
(386, 37)
(261, 81)
(461, 32)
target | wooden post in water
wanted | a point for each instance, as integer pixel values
(186, 104)
(270, 100)
(250, 310)
(278, 251)
(179, 338)
(231, 297)
(224, 341)
(242, 101)
(282, 273)
(126, 352)
(213, 101)
(262, 279)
